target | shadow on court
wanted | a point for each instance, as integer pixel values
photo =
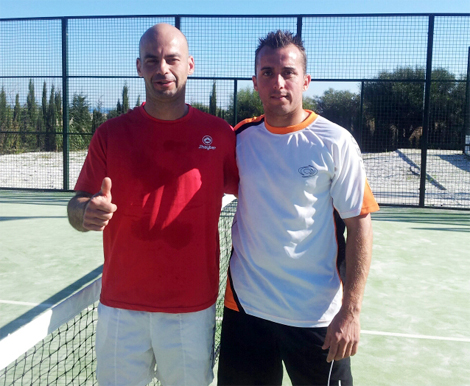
(437, 217)
(34, 198)
(16, 218)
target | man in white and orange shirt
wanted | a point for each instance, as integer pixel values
(302, 180)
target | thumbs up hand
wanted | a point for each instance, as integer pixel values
(99, 210)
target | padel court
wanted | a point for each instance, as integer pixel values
(416, 310)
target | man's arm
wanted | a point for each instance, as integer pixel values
(88, 212)
(342, 337)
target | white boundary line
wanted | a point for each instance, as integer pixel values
(415, 336)
(45, 305)
(21, 340)
(400, 335)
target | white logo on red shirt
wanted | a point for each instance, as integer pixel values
(207, 142)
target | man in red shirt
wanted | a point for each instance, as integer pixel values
(168, 166)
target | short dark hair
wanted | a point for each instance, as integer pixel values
(280, 39)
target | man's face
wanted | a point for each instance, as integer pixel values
(280, 80)
(164, 63)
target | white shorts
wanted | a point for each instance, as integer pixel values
(130, 343)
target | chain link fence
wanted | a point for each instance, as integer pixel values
(399, 83)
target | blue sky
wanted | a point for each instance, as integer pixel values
(44, 60)
(46, 8)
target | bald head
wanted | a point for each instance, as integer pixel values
(165, 65)
(161, 34)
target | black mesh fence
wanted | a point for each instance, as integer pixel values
(399, 83)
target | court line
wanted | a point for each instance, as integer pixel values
(400, 335)
(25, 303)
(415, 336)
(21, 340)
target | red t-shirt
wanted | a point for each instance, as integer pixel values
(161, 247)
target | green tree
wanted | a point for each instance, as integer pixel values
(98, 117)
(200, 106)
(248, 106)
(310, 103)
(17, 109)
(5, 112)
(112, 114)
(44, 102)
(122, 108)
(125, 99)
(458, 111)
(80, 122)
(41, 125)
(59, 139)
(394, 110)
(138, 103)
(447, 111)
(51, 123)
(5, 122)
(14, 143)
(340, 107)
(30, 118)
(58, 108)
(213, 100)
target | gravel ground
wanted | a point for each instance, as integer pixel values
(393, 176)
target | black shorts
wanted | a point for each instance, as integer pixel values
(252, 351)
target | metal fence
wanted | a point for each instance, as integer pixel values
(400, 83)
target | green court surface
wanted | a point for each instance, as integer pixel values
(416, 310)
(42, 258)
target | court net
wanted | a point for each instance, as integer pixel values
(57, 347)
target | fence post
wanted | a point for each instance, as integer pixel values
(427, 102)
(466, 117)
(235, 104)
(65, 107)
(299, 27)
(361, 117)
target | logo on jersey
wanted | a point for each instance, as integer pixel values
(307, 171)
(207, 142)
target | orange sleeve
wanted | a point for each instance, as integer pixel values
(248, 121)
(229, 299)
(369, 204)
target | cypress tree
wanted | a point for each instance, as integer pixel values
(44, 103)
(58, 108)
(51, 123)
(213, 100)
(125, 99)
(31, 116)
(5, 121)
(98, 117)
(3, 111)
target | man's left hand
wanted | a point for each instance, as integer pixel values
(342, 337)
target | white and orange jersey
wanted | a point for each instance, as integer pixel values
(292, 180)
